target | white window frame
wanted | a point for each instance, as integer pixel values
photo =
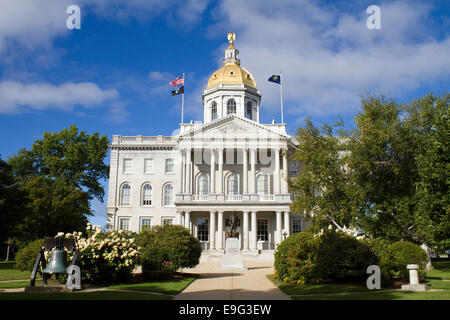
(163, 219)
(166, 165)
(142, 195)
(121, 195)
(238, 184)
(257, 229)
(145, 218)
(146, 171)
(125, 168)
(235, 106)
(164, 195)
(267, 184)
(120, 223)
(199, 189)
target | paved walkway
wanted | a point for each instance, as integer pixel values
(215, 284)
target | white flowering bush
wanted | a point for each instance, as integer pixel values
(105, 257)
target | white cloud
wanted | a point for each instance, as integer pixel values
(329, 57)
(33, 24)
(16, 97)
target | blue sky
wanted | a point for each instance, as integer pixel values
(112, 75)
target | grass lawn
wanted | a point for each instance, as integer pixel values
(149, 290)
(355, 292)
(97, 295)
(171, 287)
(8, 272)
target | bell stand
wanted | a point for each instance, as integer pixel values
(49, 244)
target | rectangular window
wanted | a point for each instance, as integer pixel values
(202, 229)
(148, 165)
(124, 224)
(170, 167)
(167, 221)
(296, 226)
(262, 230)
(127, 165)
(146, 223)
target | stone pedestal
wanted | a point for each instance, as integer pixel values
(232, 260)
(414, 284)
(47, 289)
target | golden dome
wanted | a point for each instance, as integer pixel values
(231, 74)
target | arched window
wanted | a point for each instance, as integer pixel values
(262, 184)
(213, 111)
(203, 184)
(168, 195)
(125, 195)
(231, 106)
(233, 184)
(249, 111)
(147, 195)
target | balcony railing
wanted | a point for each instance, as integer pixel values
(233, 197)
(200, 197)
(266, 197)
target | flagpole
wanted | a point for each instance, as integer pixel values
(182, 101)
(281, 95)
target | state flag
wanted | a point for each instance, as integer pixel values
(178, 91)
(177, 81)
(275, 78)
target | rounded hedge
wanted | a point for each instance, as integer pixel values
(26, 257)
(168, 248)
(332, 256)
(401, 253)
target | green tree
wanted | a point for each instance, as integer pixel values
(400, 168)
(60, 174)
(12, 203)
(383, 170)
(430, 123)
(322, 187)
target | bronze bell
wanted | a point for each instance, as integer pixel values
(57, 262)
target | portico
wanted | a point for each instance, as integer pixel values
(258, 228)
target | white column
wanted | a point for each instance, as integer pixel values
(276, 175)
(253, 238)
(181, 165)
(187, 220)
(245, 230)
(187, 173)
(278, 236)
(284, 183)
(220, 185)
(253, 171)
(212, 230)
(245, 170)
(212, 175)
(220, 230)
(287, 226)
(179, 218)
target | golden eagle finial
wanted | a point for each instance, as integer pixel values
(231, 38)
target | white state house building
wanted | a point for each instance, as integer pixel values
(228, 165)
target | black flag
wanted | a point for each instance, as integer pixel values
(178, 91)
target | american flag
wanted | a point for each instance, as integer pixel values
(177, 81)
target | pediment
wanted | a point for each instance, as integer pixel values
(232, 127)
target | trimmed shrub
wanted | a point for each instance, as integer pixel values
(341, 257)
(168, 248)
(294, 259)
(335, 256)
(26, 257)
(401, 253)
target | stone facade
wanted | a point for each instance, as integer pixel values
(205, 172)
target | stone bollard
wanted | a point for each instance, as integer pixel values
(413, 274)
(414, 284)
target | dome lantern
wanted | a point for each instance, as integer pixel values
(233, 85)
